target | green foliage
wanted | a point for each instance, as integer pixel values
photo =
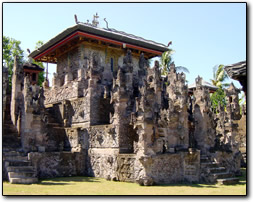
(218, 98)
(219, 76)
(166, 61)
(41, 77)
(11, 48)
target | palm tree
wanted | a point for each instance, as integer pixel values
(218, 97)
(219, 76)
(166, 61)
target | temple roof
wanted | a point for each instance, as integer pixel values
(114, 36)
(236, 70)
(205, 84)
(32, 66)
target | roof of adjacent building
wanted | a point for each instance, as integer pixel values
(108, 33)
(32, 66)
(236, 70)
(205, 84)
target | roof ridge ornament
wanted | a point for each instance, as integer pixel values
(95, 21)
(76, 20)
(106, 23)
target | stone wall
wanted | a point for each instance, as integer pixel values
(102, 163)
(173, 168)
(59, 94)
(76, 140)
(126, 167)
(58, 164)
(103, 136)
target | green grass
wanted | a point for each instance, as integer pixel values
(98, 186)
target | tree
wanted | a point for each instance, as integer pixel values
(11, 48)
(218, 98)
(219, 77)
(41, 77)
(166, 61)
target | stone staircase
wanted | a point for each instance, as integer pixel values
(213, 173)
(16, 166)
(56, 132)
(19, 169)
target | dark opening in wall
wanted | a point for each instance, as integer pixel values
(128, 137)
(112, 64)
(34, 77)
(105, 108)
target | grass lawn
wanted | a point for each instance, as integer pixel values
(98, 186)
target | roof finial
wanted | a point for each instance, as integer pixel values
(95, 20)
(76, 20)
(106, 23)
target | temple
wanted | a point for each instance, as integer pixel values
(109, 115)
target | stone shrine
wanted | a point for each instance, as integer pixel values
(109, 115)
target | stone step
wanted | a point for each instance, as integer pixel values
(10, 137)
(9, 125)
(22, 174)
(53, 124)
(13, 153)
(11, 141)
(19, 168)
(9, 148)
(10, 134)
(222, 175)
(17, 162)
(209, 165)
(7, 120)
(24, 180)
(204, 159)
(228, 181)
(14, 158)
(217, 170)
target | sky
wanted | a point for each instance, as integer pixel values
(203, 34)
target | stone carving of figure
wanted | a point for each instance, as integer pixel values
(128, 58)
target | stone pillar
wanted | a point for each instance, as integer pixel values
(68, 78)
(122, 92)
(5, 89)
(32, 127)
(204, 119)
(232, 116)
(81, 74)
(177, 94)
(45, 84)
(16, 92)
(55, 81)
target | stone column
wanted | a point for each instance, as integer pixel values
(81, 74)
(5, 89)
(205, 132)
(16, 92)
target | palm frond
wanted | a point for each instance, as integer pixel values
(183, 69)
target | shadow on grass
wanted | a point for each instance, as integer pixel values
(67, 180)
(187, 185)
(53, 183)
